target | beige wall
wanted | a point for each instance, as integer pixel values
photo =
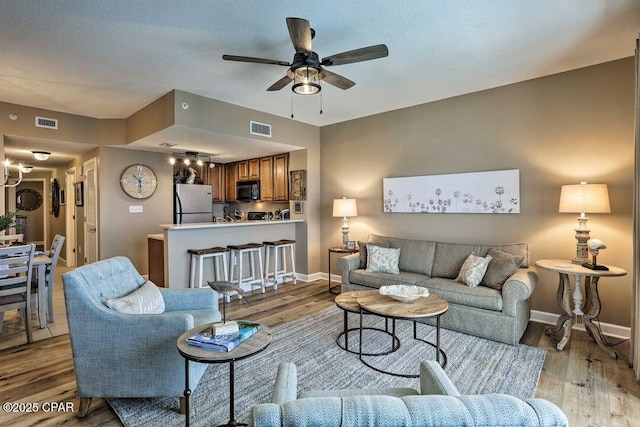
(556, 130)
(121, 232)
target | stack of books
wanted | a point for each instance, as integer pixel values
(221, 337)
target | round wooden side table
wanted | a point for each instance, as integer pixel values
(258, 342)
(338, 250)
(581, 313)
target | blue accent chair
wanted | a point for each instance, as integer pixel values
(118, 355)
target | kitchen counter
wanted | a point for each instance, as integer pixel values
(179, 238)
(200, 225)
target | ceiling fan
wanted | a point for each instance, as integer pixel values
(306, 69)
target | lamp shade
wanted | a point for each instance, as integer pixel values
(584, 198)
(345, 207)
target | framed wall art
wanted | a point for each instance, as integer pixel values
(298, 188)
(495, 192)
(79, 196)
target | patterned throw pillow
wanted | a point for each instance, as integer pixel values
(363, 250)
(147, 299)
(473, 269)
(382, 260)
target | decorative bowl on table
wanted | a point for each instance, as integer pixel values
(404, 293)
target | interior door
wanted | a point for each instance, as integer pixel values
(90, 200)
(70, 217)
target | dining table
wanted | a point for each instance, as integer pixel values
(40, 263)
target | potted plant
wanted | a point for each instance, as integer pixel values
(8, 220)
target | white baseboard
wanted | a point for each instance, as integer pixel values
(608, 329)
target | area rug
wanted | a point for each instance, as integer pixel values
(475, 365)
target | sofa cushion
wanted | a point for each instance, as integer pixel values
(382, 260)
(392, 391)
(501, 267)
(364, 253)
(145, 300)
(449, 257)
(375, 280)
(416, 256)
(457, 293)
(473, 270)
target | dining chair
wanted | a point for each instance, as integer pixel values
(16, 264)
(50, 271)
(9, 239)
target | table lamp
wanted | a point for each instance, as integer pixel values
(345, 208)
(584, 198)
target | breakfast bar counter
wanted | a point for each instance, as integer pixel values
(179, 238)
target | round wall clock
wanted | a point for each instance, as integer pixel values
(138, 181)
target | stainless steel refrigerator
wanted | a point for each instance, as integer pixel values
(192, 203)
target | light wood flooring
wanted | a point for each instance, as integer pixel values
(591, 388)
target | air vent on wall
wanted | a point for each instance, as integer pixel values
(43, 122)
(261, 129)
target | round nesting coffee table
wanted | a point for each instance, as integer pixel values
(258, 342)
(349, 304)
(382, 305)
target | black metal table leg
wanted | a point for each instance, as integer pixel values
(187, 392)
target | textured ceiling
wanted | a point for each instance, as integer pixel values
(108, 59)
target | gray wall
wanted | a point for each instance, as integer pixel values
(557, 130)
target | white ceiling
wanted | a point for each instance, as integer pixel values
(108, 59)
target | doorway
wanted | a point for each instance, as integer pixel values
(32, 197)
(70, 217)
(87, 195)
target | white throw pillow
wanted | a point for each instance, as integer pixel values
(473, 270)
(382, 260)
(147, 299)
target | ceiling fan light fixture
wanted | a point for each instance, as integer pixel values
(305, 79)
(306, 88)
(41, 156)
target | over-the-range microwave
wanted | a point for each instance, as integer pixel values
(248, 191)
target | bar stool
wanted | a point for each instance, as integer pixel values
(236, 259)
(279, 250)
(225, 288)
(219, 257)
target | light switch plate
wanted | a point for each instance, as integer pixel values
(135, 209)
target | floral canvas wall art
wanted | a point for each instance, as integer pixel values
(473, 192)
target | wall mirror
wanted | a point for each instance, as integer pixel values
(28, 199)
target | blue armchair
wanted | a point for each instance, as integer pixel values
(129, 355)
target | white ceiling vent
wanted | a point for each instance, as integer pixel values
(261, 129)
(43, 122)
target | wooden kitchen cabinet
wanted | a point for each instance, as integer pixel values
(281, 177)
(231, 177)
(254, 168)
(248, 169)
(243, 170)
(266, 178)
(217, 180)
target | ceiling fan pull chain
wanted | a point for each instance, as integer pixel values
(320, 102)
(292, 105)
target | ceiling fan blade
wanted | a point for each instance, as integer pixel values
(254, 60)
(279, 84)
(300, 33)
(337, 80)
(357, 55)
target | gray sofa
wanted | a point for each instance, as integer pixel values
(438, 404)
(499, 315)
